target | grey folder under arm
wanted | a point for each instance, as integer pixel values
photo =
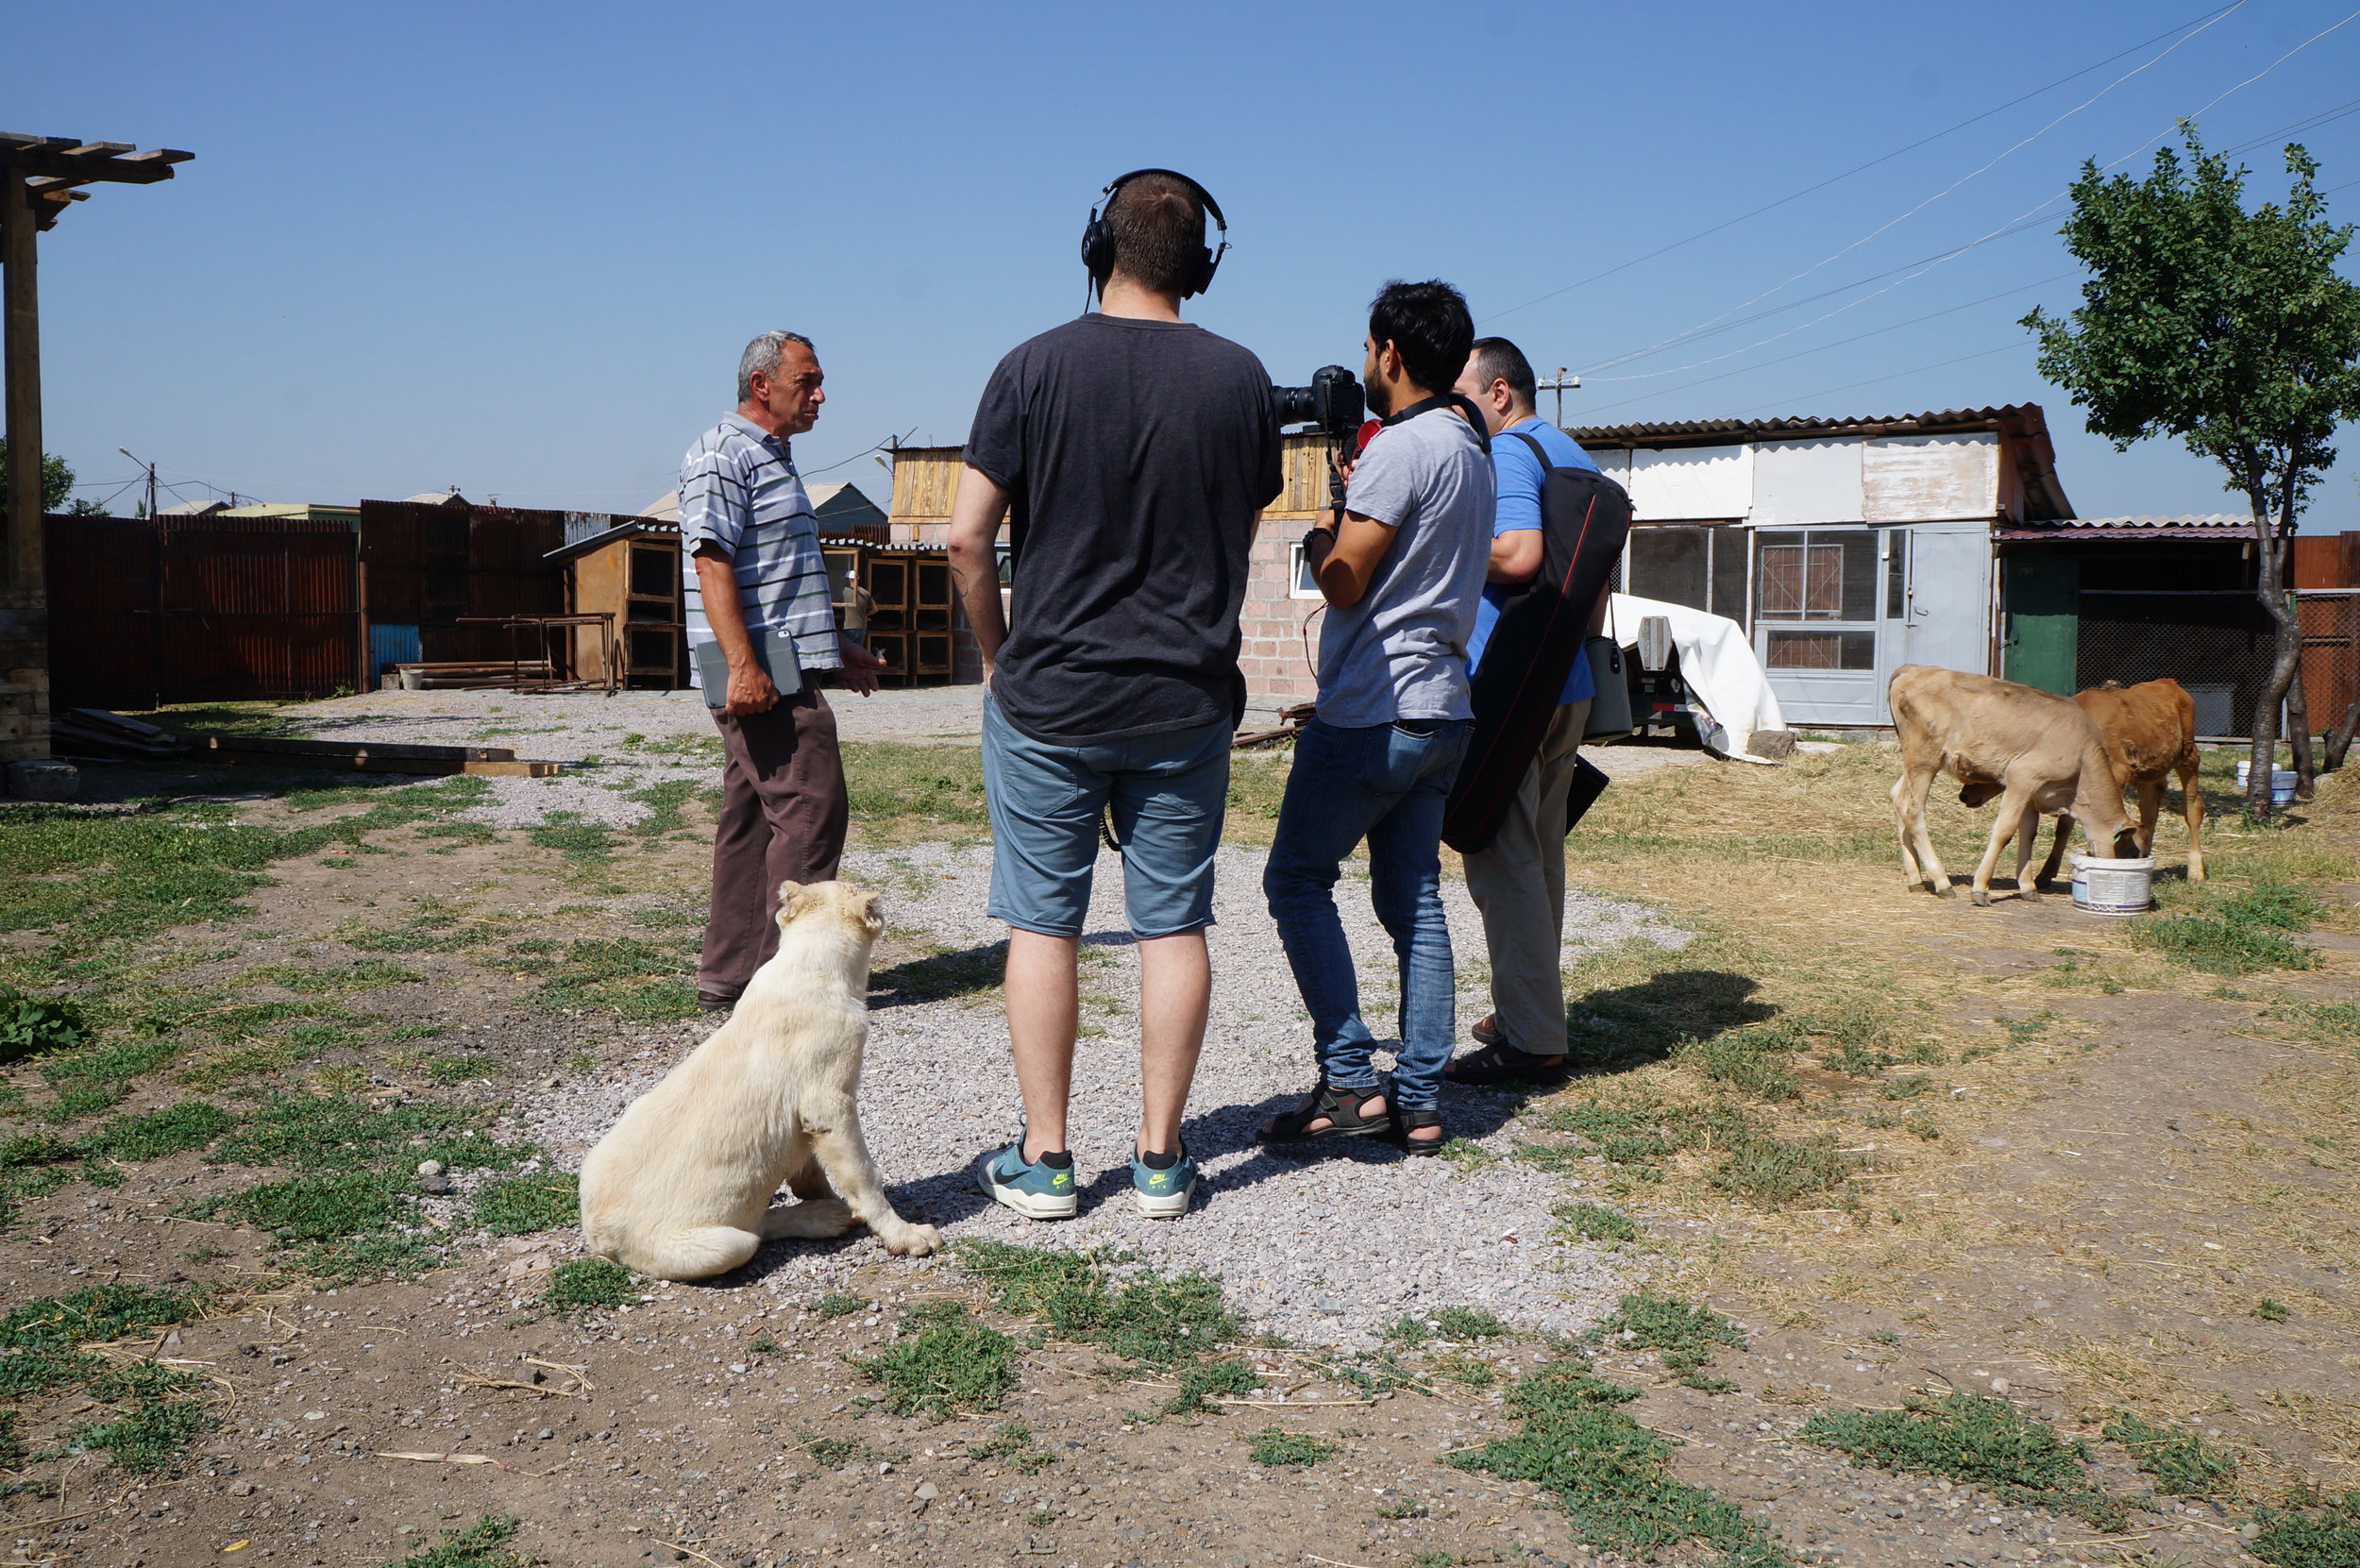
(774, 650)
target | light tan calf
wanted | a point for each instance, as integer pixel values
(2042, 751)
(681, 1186)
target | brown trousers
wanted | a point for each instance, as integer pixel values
(783, 818)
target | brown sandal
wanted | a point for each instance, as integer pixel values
(1338, 1107)
(1502, 1063)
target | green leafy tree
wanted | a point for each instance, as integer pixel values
(56, 480)
(2231, 330)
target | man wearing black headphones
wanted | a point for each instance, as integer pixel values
(1135, 452)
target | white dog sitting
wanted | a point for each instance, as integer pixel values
(681, 1186)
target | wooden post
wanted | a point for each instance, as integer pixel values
(24, 383)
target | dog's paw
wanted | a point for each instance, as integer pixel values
(912, 1240)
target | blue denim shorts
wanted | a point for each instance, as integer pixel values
(1167, 794)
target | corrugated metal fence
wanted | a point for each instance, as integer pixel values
(204, 609)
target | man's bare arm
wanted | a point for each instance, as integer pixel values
(1515, 556)
(976, 513)
(750, 689)
(1343, 563)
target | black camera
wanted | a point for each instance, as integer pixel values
(1333, 401)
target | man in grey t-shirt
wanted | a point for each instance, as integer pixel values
(1402, 570)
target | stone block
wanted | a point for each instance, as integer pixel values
(44, 779)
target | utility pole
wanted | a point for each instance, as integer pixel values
(1560, 383)
(40, 175)
(151, 484)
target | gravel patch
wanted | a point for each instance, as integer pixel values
(1324, 1246)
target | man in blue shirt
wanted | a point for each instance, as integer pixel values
(1519, 881)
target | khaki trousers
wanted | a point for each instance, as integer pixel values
(783, 819)
(1518, 884)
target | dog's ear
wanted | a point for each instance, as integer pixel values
(869, 903)
(794, 898)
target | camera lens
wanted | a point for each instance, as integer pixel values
(1296, 405)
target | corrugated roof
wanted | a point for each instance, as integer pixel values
(1880, 424)
(2194, 525)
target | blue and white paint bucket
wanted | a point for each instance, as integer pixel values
(2102, 886)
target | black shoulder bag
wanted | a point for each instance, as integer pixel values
(1584, 516)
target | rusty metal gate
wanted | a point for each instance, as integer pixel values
(144, 612)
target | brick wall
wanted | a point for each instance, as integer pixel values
(24, 675)
(1271, 624)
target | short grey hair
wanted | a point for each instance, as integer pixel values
(761, 359)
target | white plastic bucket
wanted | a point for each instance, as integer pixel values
(2107, 887)
(2282, 781)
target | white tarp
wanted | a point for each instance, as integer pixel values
(1717, 662)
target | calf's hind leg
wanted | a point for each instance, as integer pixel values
(2056, 849)
(2192, 802)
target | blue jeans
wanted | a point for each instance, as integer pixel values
(1387, 783)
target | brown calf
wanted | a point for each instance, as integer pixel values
(2148, 731)
(2039, 750)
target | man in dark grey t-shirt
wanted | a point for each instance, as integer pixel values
(1135, 452)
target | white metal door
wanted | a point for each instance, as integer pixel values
(1946, 616)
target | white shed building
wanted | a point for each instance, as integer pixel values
(1846, 547)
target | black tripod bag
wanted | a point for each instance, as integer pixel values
(1584, 516)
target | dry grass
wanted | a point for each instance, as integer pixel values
(1791, 878)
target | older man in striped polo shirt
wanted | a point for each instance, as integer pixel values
(757, 585)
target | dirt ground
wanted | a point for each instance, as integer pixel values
(2076, 1184)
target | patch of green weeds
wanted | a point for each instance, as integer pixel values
(1468, 1155)
(247, 1061)
(12, 1450)
(830, 1452)
(896, 790)
(1402, 1507)
(1472, 1370)
(586, 1285)
(31, 1025)
(97, 1314)
(1142, 1314)
(1610, 1474)
(436, 927)
(190, 1124)
(838, 1304)
(1978, 1439)
(1750, 1060)
(1682, 1334)
(2311, 1529)
(582, 843)
(527, 1203)
(638, 979)
(1467, 1322)
(2237, 933)
(88, 1080)
(339, 1226)
(2184, 1464)
(167, 1413)
(302, 1132)
(1772, 1172)
(1408, 1329)
(482, 1544)
(1012, 1440)
(1596, 1222)
(1199, 1382)
(2271, 1312)
(944, 1363)
(460, 1069)
(369, 975)
(1273, 1447)
(40, 1369)
(664, 802)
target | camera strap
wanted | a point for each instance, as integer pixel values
(1459, 401)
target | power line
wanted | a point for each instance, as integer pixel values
(1920, 206)
(2205, 18)
(2021, 221)
(1830, 391)
(1840, 343)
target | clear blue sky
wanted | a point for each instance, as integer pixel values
(517, 247)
